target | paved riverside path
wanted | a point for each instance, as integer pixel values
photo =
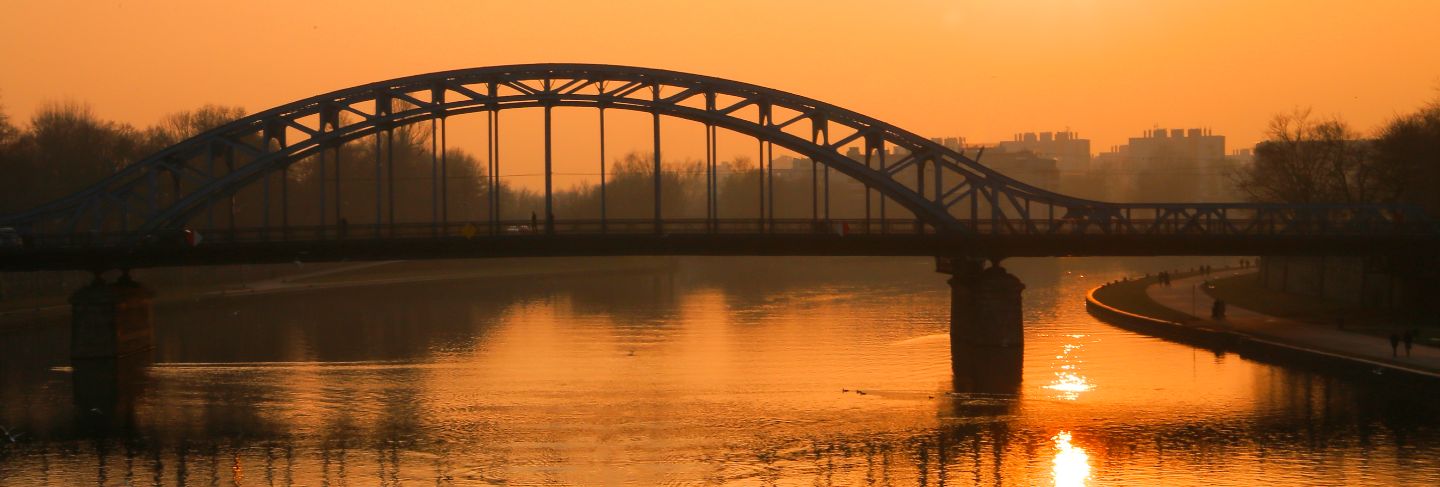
(1314, 337)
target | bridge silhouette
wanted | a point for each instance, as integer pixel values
(948, 203)
(929, 199)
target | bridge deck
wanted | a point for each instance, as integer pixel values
(684, 237)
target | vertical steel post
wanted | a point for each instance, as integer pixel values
(712, 173)
(434, 179)
(285, 202)
(920, 188)
(210, 172)
(490, 170)
(379, 209)
(444, 178)
(974, 207)
(939, 185)
(230, 169)
(770, 190)
(869, 152)
(602, 165)
(265, 203)
(321, 178)
(499, 185)
(655, 115)
(152, 197)
(382, 109)
(939, 191)
(709, 180)
(760, 176)
(814, 190)
(338, 210)
(715, 157)
(549, 195)
(823, 131)
(390, 174)
(882, 194)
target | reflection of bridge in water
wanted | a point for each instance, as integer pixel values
(929, 201)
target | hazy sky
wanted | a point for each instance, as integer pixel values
(981, 69)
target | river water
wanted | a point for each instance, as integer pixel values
(830, 371)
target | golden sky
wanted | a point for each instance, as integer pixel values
(976, 68)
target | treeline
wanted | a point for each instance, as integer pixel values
(64, 148)
(1309, 159)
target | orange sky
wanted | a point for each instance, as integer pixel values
(981, 69)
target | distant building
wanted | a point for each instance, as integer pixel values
(1171, 165)
(953, 143)
(1241, 157)
(1071, 153)
(1161, 149)
(1027, 166)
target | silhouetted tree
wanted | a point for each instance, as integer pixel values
(1306, 160)
(65, 148)
(1407, 151)
(179, 126)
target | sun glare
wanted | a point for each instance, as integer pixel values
(1071, 464)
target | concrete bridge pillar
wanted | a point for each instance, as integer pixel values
(110, 320)
(985, 308)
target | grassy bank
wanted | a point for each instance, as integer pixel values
(1246, 291)
(1129, 296)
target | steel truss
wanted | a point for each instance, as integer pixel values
(947, 191)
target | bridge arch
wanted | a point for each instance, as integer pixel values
(281, 136)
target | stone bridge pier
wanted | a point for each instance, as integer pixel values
(111, 335)
(986, 320)
(109, 320)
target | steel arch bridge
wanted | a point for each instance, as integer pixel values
(956, 205)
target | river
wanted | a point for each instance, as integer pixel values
(817, 371)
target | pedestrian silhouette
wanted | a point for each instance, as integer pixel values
(534, 222)
(1409, 339)
(1394, 344)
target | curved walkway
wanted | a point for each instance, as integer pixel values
(1186, 296)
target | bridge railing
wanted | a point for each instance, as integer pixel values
(477, 229)
(1249, 223)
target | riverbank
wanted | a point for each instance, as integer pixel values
(381, 273)
(1146, 307)
(1246, 291)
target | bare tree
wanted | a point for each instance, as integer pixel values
(1310, 160)
(179, 126)
(1408, 152)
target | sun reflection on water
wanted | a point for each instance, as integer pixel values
(1071, 464)
(1068, 382)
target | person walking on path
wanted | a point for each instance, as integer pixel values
(1409, 339)
(534, 222)
(1394, 345)
(1217, 310)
